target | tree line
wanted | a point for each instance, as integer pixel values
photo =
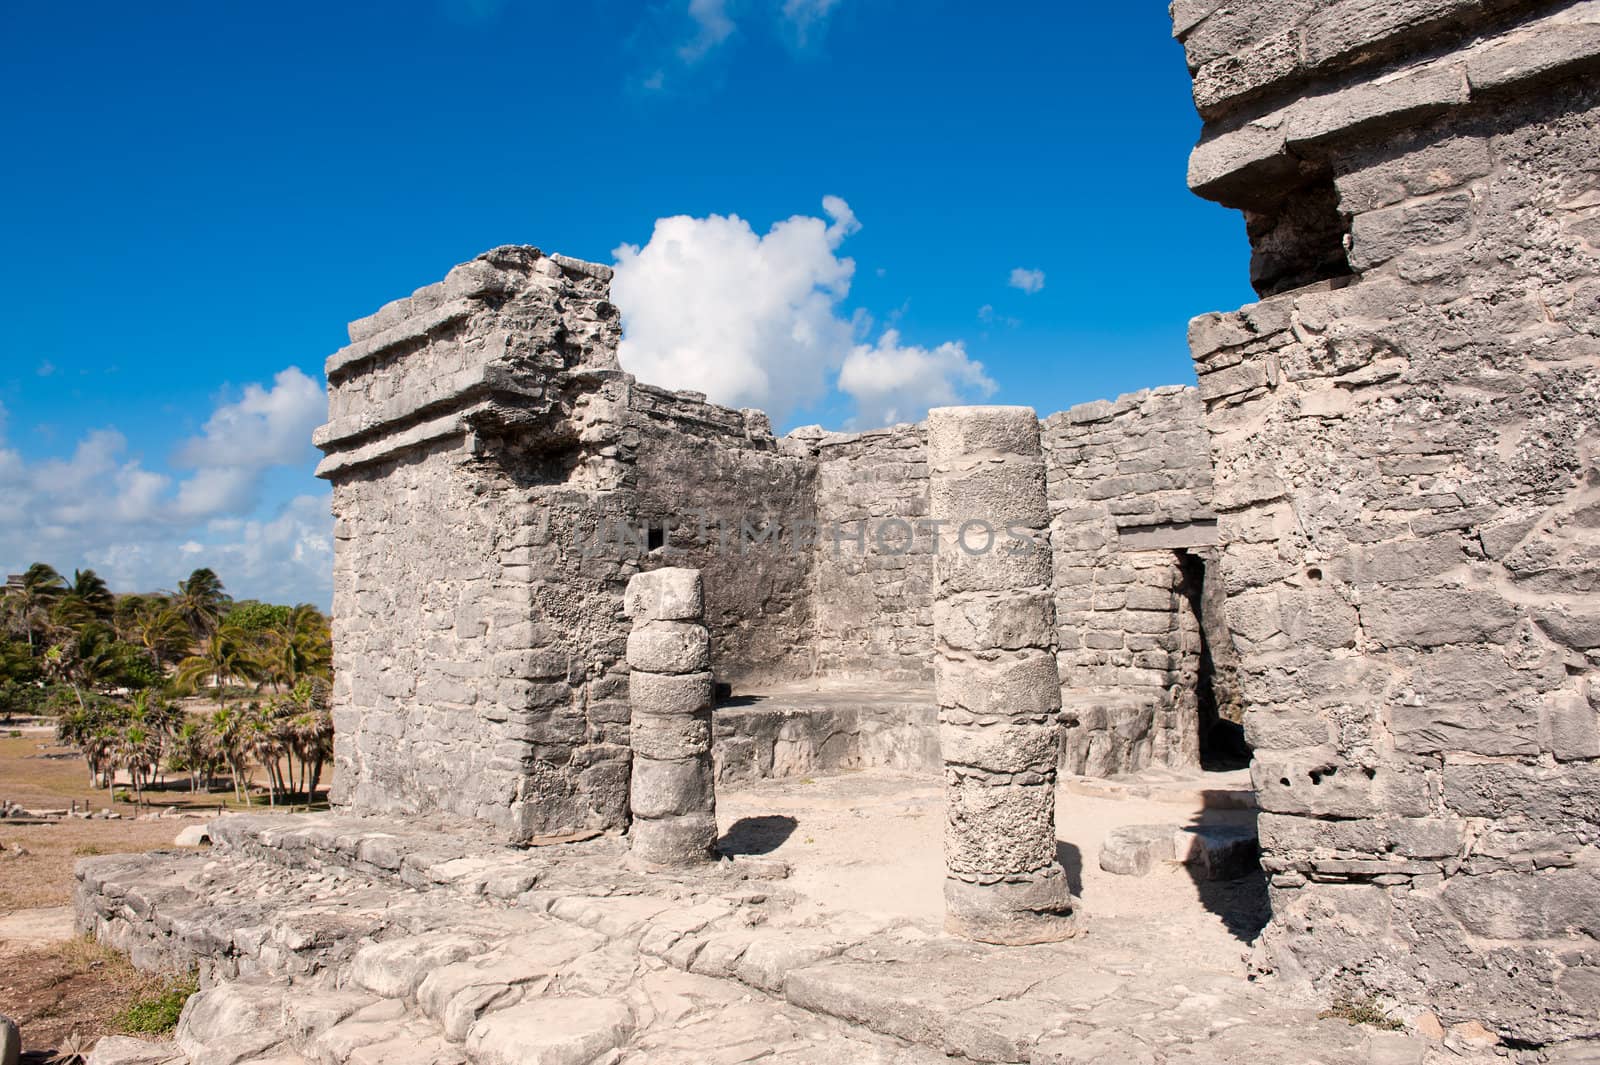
(111, 668)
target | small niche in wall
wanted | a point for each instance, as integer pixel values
(1299, 242)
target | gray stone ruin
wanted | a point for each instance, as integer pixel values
(996, 683)
(669, 687)
(1361, 553)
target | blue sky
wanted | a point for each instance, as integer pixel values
(201, 195)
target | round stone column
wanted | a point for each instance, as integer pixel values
(995, 676)
(672, 796)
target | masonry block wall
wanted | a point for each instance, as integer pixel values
(728, 495)
(498, 479)
(1130, 492)
(461, 451)
(1406, 489)
(873, 598)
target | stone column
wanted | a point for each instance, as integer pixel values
(995, 676)
(669, 686)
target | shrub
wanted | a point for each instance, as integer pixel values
(157, 1013)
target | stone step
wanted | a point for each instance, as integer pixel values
(1212, 852)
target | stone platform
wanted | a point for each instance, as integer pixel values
(337, 939)
(802, 729)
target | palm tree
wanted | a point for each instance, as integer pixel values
(194, 753)
(226, 655)
(230, 739)
(86, 599)
(298, 647)
(159, 629)
(309, 733)
(29, 606)
(157, 719)
(265, 741)
(138, 750)
(89, 658)
(200, 600)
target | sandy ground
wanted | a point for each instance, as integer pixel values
(872, 840)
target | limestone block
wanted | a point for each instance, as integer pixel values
(663, 788)
(230, 1023)
(1433, 168)
(672, 841)
(1432, 617)
(115, 1050)
(1005, 748)
(1135, 850)
(1217, 852)
(1036, 909)
(1571, 726)
(955, 433)
(1224, 80)
(994, 565)
(669, 647)
(551, 1031)
(670, 736)
(1320, 784)
(1524, 905)
(669, 694)
(1000, 492)
(11, 1042)
(1022, 685)
(998, 830)
(671, 594)
(193, 836)
(1006, 621)
(396, 967)
(1378, 236)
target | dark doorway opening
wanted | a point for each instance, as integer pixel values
(1217, 697)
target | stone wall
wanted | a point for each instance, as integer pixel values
(728, 496)
(873, 600)
(1130, 499)
(1406, 461)
(471, 634)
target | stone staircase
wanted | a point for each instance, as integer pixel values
(332, 939)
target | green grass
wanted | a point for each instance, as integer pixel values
(1362, 1011)
(157, 1013)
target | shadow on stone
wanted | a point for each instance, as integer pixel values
(1226, 866)
(1071, 859)
(757, 835)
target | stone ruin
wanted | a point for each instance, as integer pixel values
(1369, 536)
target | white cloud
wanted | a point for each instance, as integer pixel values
(891, 382)
(144, 529)
(755, 321)
(710, 24)
(216, 490)
(266, 427)
(1029, 281)
(285, 557)
(749, 320)
(803, 17)
(712, 27)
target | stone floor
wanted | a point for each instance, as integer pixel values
(336, 939)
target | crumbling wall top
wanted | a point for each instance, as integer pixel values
(1283, 82)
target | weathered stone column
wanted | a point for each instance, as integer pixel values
(669, 685)
(995, 675)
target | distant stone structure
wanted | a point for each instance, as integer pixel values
(1369, 536)
(497, 480)
(1404, 432)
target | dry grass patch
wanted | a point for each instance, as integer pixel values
(69, 995)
